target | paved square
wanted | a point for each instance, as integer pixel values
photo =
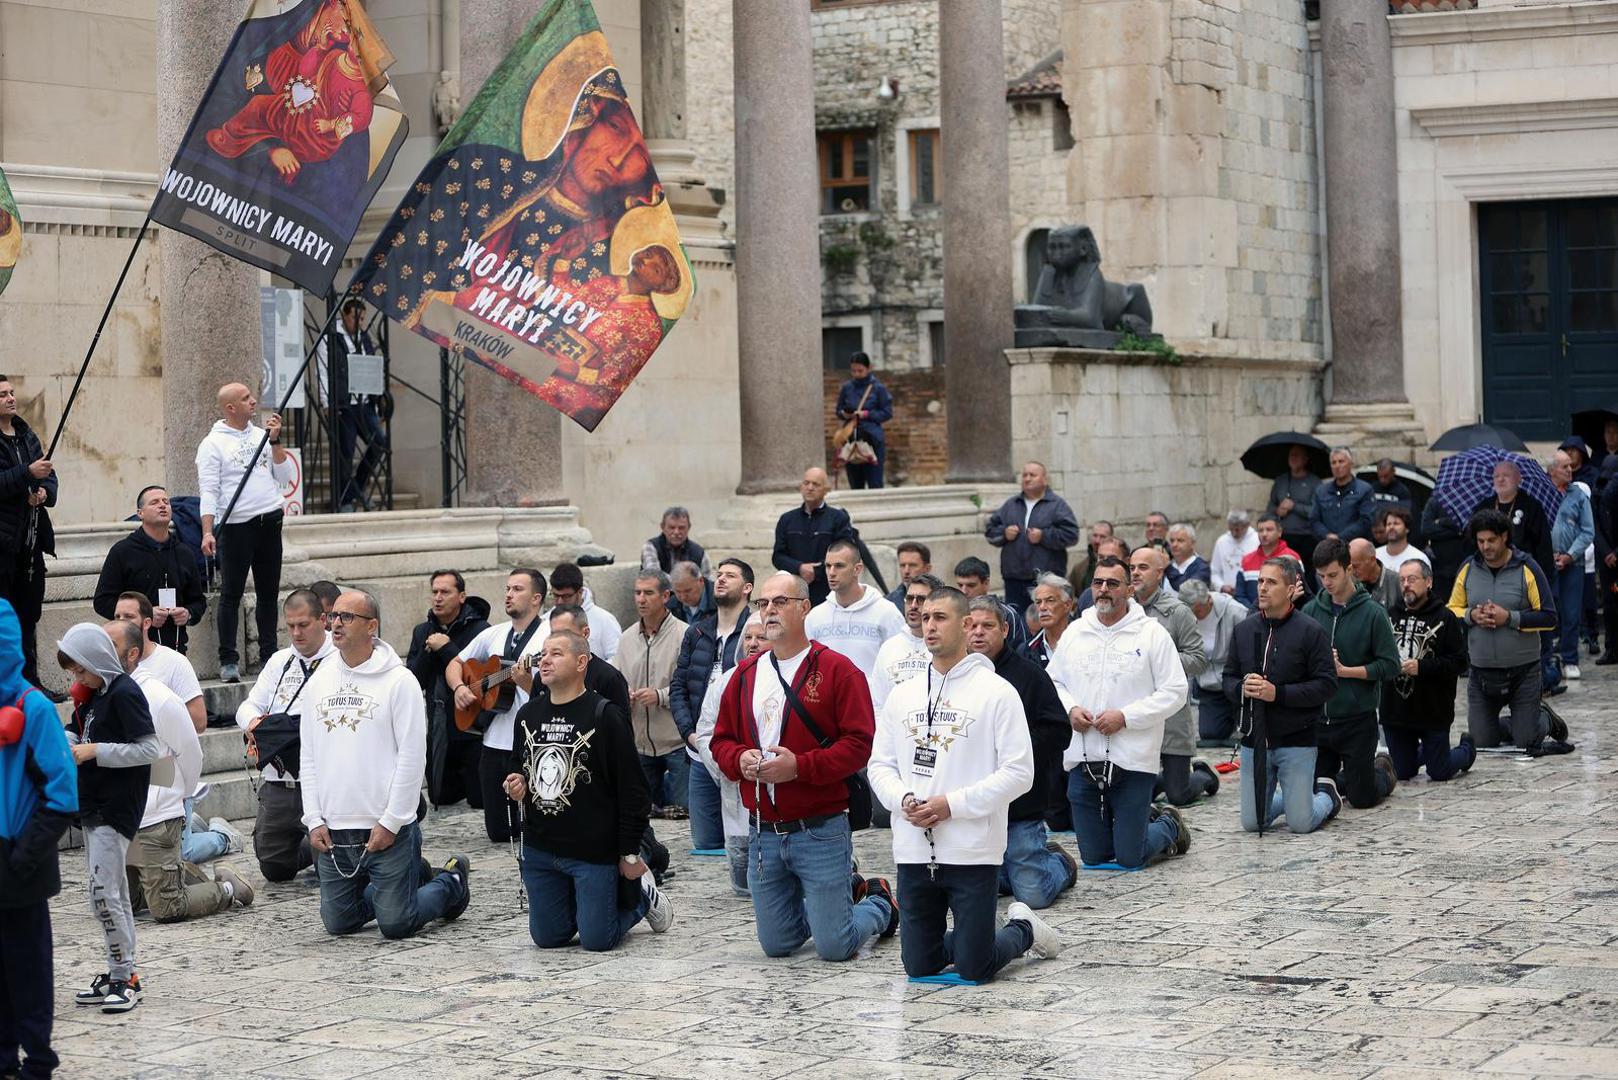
(1461, 928)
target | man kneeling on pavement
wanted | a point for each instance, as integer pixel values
(1418, 707)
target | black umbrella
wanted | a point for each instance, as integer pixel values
(1467, 436)
(1268, 456)
(1591, 424)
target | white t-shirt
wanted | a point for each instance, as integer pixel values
(1225, 567)
(493, 642)
(174, 671)
(901, 657)
(1393, 562)
(770, 700)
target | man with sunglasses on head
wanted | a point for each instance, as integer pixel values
(1119, 675)
(795, 722)
(363, 737)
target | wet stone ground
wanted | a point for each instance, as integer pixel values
(1460, 928)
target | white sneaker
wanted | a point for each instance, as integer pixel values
(1047, 942)
(659, 910)
(230, 832)
(1572, 672)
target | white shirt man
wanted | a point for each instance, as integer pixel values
(854, 620)
(904, 655)
(1399, 550)
(1225, 566)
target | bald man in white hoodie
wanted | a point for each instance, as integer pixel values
(363, 760)
(952, 751)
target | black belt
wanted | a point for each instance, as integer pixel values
(782, 828)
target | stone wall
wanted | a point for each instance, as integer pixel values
(1127, 433)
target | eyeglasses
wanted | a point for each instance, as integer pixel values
(347, 617)
(1103, 585)
(915, 599)
(766, 602)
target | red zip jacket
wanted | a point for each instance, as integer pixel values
(838, 698)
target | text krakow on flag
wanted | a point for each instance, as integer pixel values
(538, 239)
(291, 141)
(10, 233)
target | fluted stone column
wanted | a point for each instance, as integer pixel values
(777, 245)
(662, 69)
(977, 238)
(1362, 203)
(208, 314)
(513, 439)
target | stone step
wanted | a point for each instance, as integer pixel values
(230, 796)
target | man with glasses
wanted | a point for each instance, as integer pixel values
(794, 724)
(568, 587)
(363, 738)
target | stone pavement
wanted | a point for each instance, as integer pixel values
(1465, 927)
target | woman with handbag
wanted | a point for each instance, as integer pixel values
(864, 405)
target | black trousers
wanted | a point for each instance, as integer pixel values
(252, 545)
(1346, 751)
(26, 594)
(502, 818)
(26, 990)
(280, 841)
(978, 946)
(1178, 783)
(461, 777)
(1608, 579)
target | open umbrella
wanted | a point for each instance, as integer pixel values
(1469, 435)
(1468, 478)
(1268, 456)
(1419, 480)
(1591, 424)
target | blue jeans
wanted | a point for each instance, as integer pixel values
(1215, 717)
(977, 946)
(356, 422)
(568, 897)
(1116, 829)
(707, 820)
(1289, 789)
(1411, 748)
(672, 767)
(1030, 872)
(386, 888)
(198, 844)
(801, 889)
(1569, 613)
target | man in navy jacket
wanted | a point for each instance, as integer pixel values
(866, 400)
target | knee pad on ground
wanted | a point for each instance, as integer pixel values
(395, 931)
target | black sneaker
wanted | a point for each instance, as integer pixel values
(1067, 858)
(1383, 763)
(1205, 767)
(1329, 786)
(1471, 749)
(879, 887)
(856, 886)
(1182, 831)
(121, 996)
(97, 992)
(461, 867)
(427, 871)
(1548, 747)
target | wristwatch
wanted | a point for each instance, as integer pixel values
(632, 860)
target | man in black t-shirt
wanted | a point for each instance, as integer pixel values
(577, 776)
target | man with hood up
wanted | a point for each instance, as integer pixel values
(364, 755)
(453, 620)
(38, 796)
(114, 744)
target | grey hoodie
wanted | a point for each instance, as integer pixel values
(1180, 730)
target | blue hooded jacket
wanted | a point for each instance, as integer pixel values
(39, 790)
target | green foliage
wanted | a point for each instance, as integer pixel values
(1157, 346)
(874, 237)
(839, 258)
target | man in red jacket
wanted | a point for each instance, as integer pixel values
(796, 790)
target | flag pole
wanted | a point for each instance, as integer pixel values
(61, 422)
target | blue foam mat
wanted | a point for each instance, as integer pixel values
(718, 851)
(946, 978)
(1112, 866)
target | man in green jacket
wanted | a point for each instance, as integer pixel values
(1366, 656)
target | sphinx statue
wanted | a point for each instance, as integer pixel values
(1074, 305)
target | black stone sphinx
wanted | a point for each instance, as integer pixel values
(1074, 305)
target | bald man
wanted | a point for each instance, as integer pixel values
(248, 537)
(1379, 581)
(804, 533)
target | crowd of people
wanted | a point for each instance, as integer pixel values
(777, 710)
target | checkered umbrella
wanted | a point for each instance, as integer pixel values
(1467, 478)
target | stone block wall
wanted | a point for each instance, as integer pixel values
(917, 436)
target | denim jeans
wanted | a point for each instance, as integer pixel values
(1289, 789)
(1216, 719)
(386, 888)
(568, 897)
(801, 889)
(1411, 748)
(977, 946)
(1569, 613)
(198, 843)
(667, 777)
(1030, 872)
(1116, 829)
(707, 821)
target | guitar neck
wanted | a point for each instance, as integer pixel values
(506, 674)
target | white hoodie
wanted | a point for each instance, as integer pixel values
(279, 689)
(165, 798)
(856, 631)
(901, 656)
(222, 457)
(1131, 666)
(985, 760)
(364, 743)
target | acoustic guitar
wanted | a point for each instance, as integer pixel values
(491, 681)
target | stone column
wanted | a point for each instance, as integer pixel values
(209, 319)
(977, 238)
(513, 440)
(1362, 203)
(662, 69)
(777, 245)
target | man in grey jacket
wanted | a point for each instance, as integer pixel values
(1033, 531)
(1217, 617)
(1181, 779)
